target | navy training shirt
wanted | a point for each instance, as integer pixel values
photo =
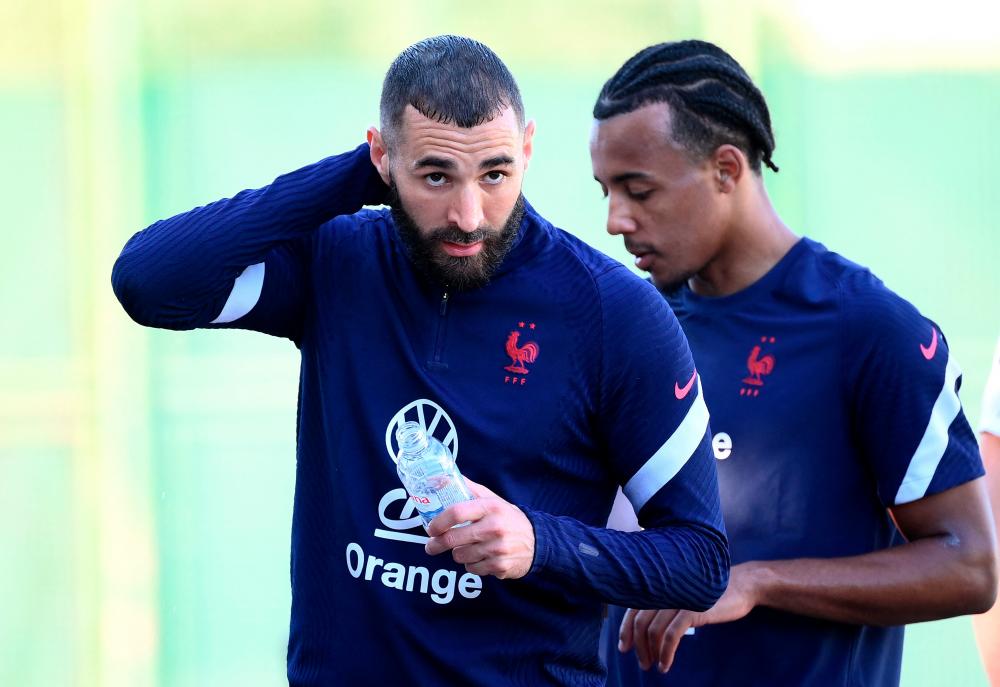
(563, 378)
(832, 399)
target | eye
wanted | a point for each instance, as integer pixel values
(638, 193)
(436, 179)
(494, 177)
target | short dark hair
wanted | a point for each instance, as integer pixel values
(712, 100)
(450, 79)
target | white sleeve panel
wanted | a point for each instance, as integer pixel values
(245, 294)
(671, 457)
(934, 442)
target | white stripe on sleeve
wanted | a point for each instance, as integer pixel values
(932, 445)
(671, 457)
(245, 294)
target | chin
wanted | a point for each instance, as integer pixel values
(668, 283)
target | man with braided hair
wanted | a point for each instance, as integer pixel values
(850, 479)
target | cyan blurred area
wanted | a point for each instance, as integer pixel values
(146, 476)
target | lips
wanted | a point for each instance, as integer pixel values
(461, 250)
(644, 260)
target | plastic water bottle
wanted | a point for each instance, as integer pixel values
(428, 472)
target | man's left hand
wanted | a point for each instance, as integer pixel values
(499, 539)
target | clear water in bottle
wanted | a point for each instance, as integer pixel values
(428, 472)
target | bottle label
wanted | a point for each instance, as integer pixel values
(427, 503)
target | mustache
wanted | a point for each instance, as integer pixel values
(633, 247)
(456, 235)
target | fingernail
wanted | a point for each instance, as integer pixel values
(662, 667)
(621, 646)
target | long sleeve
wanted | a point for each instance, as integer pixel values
(179, 273)
(684, 565)
(654, 422)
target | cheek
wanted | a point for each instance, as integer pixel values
(498, 205)
(428, 208)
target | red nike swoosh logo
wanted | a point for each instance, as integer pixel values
(929, 351)
(681, 391)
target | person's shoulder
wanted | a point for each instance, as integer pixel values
(570, 250)
(875, 318)
(816, 274)
(368, 218)
(566, 246)
(860, 293)
(571, 262)
(872, 308)
(367, 225)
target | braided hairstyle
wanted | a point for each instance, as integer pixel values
(712, 99)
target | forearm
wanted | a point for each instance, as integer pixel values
(684, 566)
(922, 580)
(178, 272)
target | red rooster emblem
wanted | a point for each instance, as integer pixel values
(519, 355)
(758, 366)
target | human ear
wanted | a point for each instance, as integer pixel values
(379, 154)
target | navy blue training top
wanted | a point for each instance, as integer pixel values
(563, 378)
(832, 399)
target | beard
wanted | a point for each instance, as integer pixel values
(460, 273)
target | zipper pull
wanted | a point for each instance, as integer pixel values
(444, 304)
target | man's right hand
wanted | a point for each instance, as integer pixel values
(656, 634)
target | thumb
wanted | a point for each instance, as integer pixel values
(477, 489)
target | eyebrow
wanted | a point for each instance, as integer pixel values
(628, 176)
(498, 161)
(445, 163)
(431, 161)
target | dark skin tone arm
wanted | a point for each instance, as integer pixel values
(947, 567)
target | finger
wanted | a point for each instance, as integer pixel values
(625, 630)
(452, 537)
(471, 554)
(653, 637)
(501, 567)
(656, 631)
(466, 511)
(477, 489)
(672, 638)
(640, 637)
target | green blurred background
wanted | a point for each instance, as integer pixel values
(146, 476)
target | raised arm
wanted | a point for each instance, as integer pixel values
(208, 266)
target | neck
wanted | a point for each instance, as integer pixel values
(754, 243)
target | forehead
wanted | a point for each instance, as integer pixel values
(422, 136)
(637, 140)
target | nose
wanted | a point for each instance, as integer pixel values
(619, 218)
(466, 211)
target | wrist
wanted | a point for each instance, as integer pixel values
(539, 542)
(761, 581)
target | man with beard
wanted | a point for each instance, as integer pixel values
(850, 479)
(464, 310)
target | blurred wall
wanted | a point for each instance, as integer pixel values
(146, 476)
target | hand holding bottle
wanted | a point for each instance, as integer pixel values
(499, 539)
